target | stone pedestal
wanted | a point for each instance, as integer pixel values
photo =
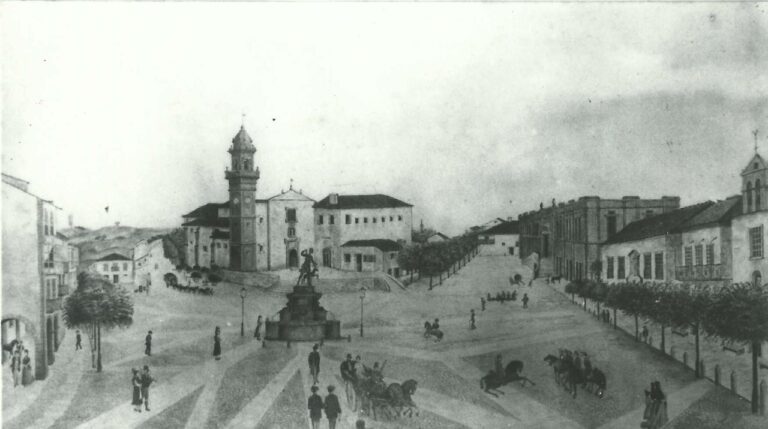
(303, 319)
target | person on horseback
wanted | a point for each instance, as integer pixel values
(436, 325)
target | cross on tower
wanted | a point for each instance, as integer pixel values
(754, 133)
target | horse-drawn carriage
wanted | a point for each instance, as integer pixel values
(571, 371)
(374, 397)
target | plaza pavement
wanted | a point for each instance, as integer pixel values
(394, 324)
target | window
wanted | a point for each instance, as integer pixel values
(699, 254)
(710, 254)
(374, 219)
(757, 194)
(659, 256)
(331, 220)
(749, 197)
(105, 267)
(261, 219)
(115, 267)
(648, 213)
(205, 248)
(620, 262)
(756, 242)
(365, 220)
(218, 245)
(392, 255)
(688, 256)
(261, 248)
(399, 217)
(369, 258)
(391, 218)
(347, 257)
(611, 224)
(647, 265)
(290, 215)
(320, 220)
(291, 232)
(347, 219)
(225, 245)
(357, 220)
(383, 219)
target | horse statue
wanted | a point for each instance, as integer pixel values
(308, 268)
(492, 381)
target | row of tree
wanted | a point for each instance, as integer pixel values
(433, 259)
(735, 314)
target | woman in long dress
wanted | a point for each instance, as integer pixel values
(217, 343)
(136, 382)
(257, 332)
(26, 370)
(655, 414)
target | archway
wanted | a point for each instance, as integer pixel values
(327, 257)
(757, 278)
(293, 259)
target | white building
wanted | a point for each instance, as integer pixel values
(504, 237)
(116, 268)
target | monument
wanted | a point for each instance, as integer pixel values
(303, 318)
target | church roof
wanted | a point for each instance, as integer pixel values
(658, 225)
(371, 201)
(218, 222)
(756, 163)
(382, 244)
(242, 141)
(720, 212)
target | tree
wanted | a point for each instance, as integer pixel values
(691, 305)
(662, 309)
(431, 262)
(97, 303)
(572, 288)
(599, 293)
(740, 313)
(170, 279)
(422, 235)
(596, 268)
(214, 278)
(408, 258)
(635, 300)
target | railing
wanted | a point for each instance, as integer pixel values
(699, 272)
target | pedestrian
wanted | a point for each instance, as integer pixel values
(148, 344)
(136, 382)
(347, 374)
(645, 334)
(332, 407)
(315, 406)
(146, 381)
(314, 363)
(26, 370)
(78, 340)
(217, 343)
(16, 367)
(482, 303)
(655, 414)
(257, 332)
(472, 319)
(525, 300)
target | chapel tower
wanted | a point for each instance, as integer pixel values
(242, 178)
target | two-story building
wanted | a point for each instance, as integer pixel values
(502, 238)
(362, 232)
(116, 268)
(39, 270)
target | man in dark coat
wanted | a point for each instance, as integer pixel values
(314, 363)
(332, 408)
(525, 300)
(148, 344)
(472, 319)
(348, 374)
(315, 406)
(146, 381)
(78, 341)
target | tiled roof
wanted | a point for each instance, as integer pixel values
(441, 235)
(210, 210)
(658, 225)
(720, 212)
(220, 235)
(503, 228)
(381, 244)
(114, 257)
(213, 223)
(373, 201)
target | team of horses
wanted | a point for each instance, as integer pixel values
(570, 371)
(373, 396)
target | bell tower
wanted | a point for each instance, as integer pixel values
(242, 178)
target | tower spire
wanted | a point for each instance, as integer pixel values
(755, 132)
(242, 120)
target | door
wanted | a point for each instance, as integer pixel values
(511, 250)
(757, 278)
(293, 258)
(545, 246)
(327, 257)
(359, 262)
(115, 278)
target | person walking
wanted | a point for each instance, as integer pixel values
(348, 375)
(217, 343)
(16, 367)
(314, 363)
(525, 300)
(26, 370)
(655, 414)
(472, 319)
(148, 344)
(78, 340)
(136, 382)
(315, 406)
(146, 381)
(332, 407)
(257, 332)
(482, 304)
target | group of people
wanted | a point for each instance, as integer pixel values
(141, 381)
(21, 364)
(605, 316)
(329, 404)
(579, 359)
(503, 297)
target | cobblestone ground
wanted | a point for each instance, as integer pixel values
(253, 386)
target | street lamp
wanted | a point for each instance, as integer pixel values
(242, 312)
(362, 297)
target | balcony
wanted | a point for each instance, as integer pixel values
(52, 305)
(699, 272)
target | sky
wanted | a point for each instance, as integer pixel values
(467, 111)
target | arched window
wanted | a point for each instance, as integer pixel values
(757, 278)
(757, 194)
(291, 232)
(246, 165)
(749, 197)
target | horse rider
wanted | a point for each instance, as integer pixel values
(436, 325)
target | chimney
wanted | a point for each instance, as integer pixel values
(333, 199)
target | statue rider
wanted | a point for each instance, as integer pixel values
(308, 267)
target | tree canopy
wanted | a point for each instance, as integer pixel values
(96, 300)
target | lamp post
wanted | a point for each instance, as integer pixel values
(362, 297)
(242, 312)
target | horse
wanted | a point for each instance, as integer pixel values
(429, 331)
(566, 372)
(493, 381)
(399, 397)
(596, 380)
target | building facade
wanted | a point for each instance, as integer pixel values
(116, 268)
(39, 270)
(749, 229)
(242, 179)
(341, 219)
(567, 236)
(504, 238)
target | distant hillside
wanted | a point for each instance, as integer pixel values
(94, 244)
